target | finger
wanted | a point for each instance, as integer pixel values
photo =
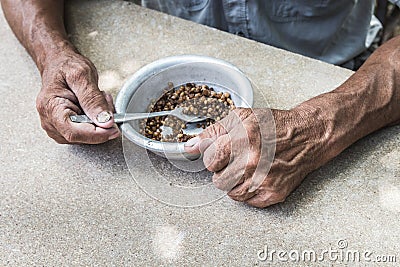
(61, 140)
(228, 178)
(201, 142)
(241, 168)
(241, 191)
(83, 82)
(45, 100)
(227, 124)
(86, 133)
(53, 134)
(46, 107)
(265, 199)
(232, 175)
(217, 156)
(61, 92)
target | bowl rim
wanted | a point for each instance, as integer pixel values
(139, 77)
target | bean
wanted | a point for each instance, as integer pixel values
(195, 100)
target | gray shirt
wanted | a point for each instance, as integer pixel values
(330, 30)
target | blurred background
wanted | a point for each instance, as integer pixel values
(389, 15)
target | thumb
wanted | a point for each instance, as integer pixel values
(92, 101)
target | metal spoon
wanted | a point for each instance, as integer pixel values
(123, 117)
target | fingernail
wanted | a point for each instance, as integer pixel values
(104, 116)
(192, 141)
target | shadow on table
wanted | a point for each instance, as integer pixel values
(108, 156)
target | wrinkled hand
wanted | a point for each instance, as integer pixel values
(236, 147)
(69, 86)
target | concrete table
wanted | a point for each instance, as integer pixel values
(80, 205)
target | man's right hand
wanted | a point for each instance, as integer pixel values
(69, 86)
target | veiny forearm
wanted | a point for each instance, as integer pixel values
(369, 100)
(39, 26)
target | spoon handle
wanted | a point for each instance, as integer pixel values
(121, 117)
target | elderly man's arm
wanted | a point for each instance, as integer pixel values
(307, 136)
(69, 80)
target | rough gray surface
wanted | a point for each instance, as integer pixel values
(79, 205)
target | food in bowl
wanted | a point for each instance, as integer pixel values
(195, 99)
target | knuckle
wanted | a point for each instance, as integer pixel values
(88, 63)
(242, 113)
(215, 156)
(58, 139)
(54, 135)
(70, 136)
(253, 132)
(260, 204)
(252, 162)
(234, 195)
(213, 131)
(46, 127)
(238, 194)
(92, 99)
(81, 71)
(81, 74)
(219, 183)
(219, 180)
(277, 197)
(270, 198)
(41, 102)
(209, 131)
(65, 130)
(252, 165)
(225, 182)
(46, 107)
(208, 161)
